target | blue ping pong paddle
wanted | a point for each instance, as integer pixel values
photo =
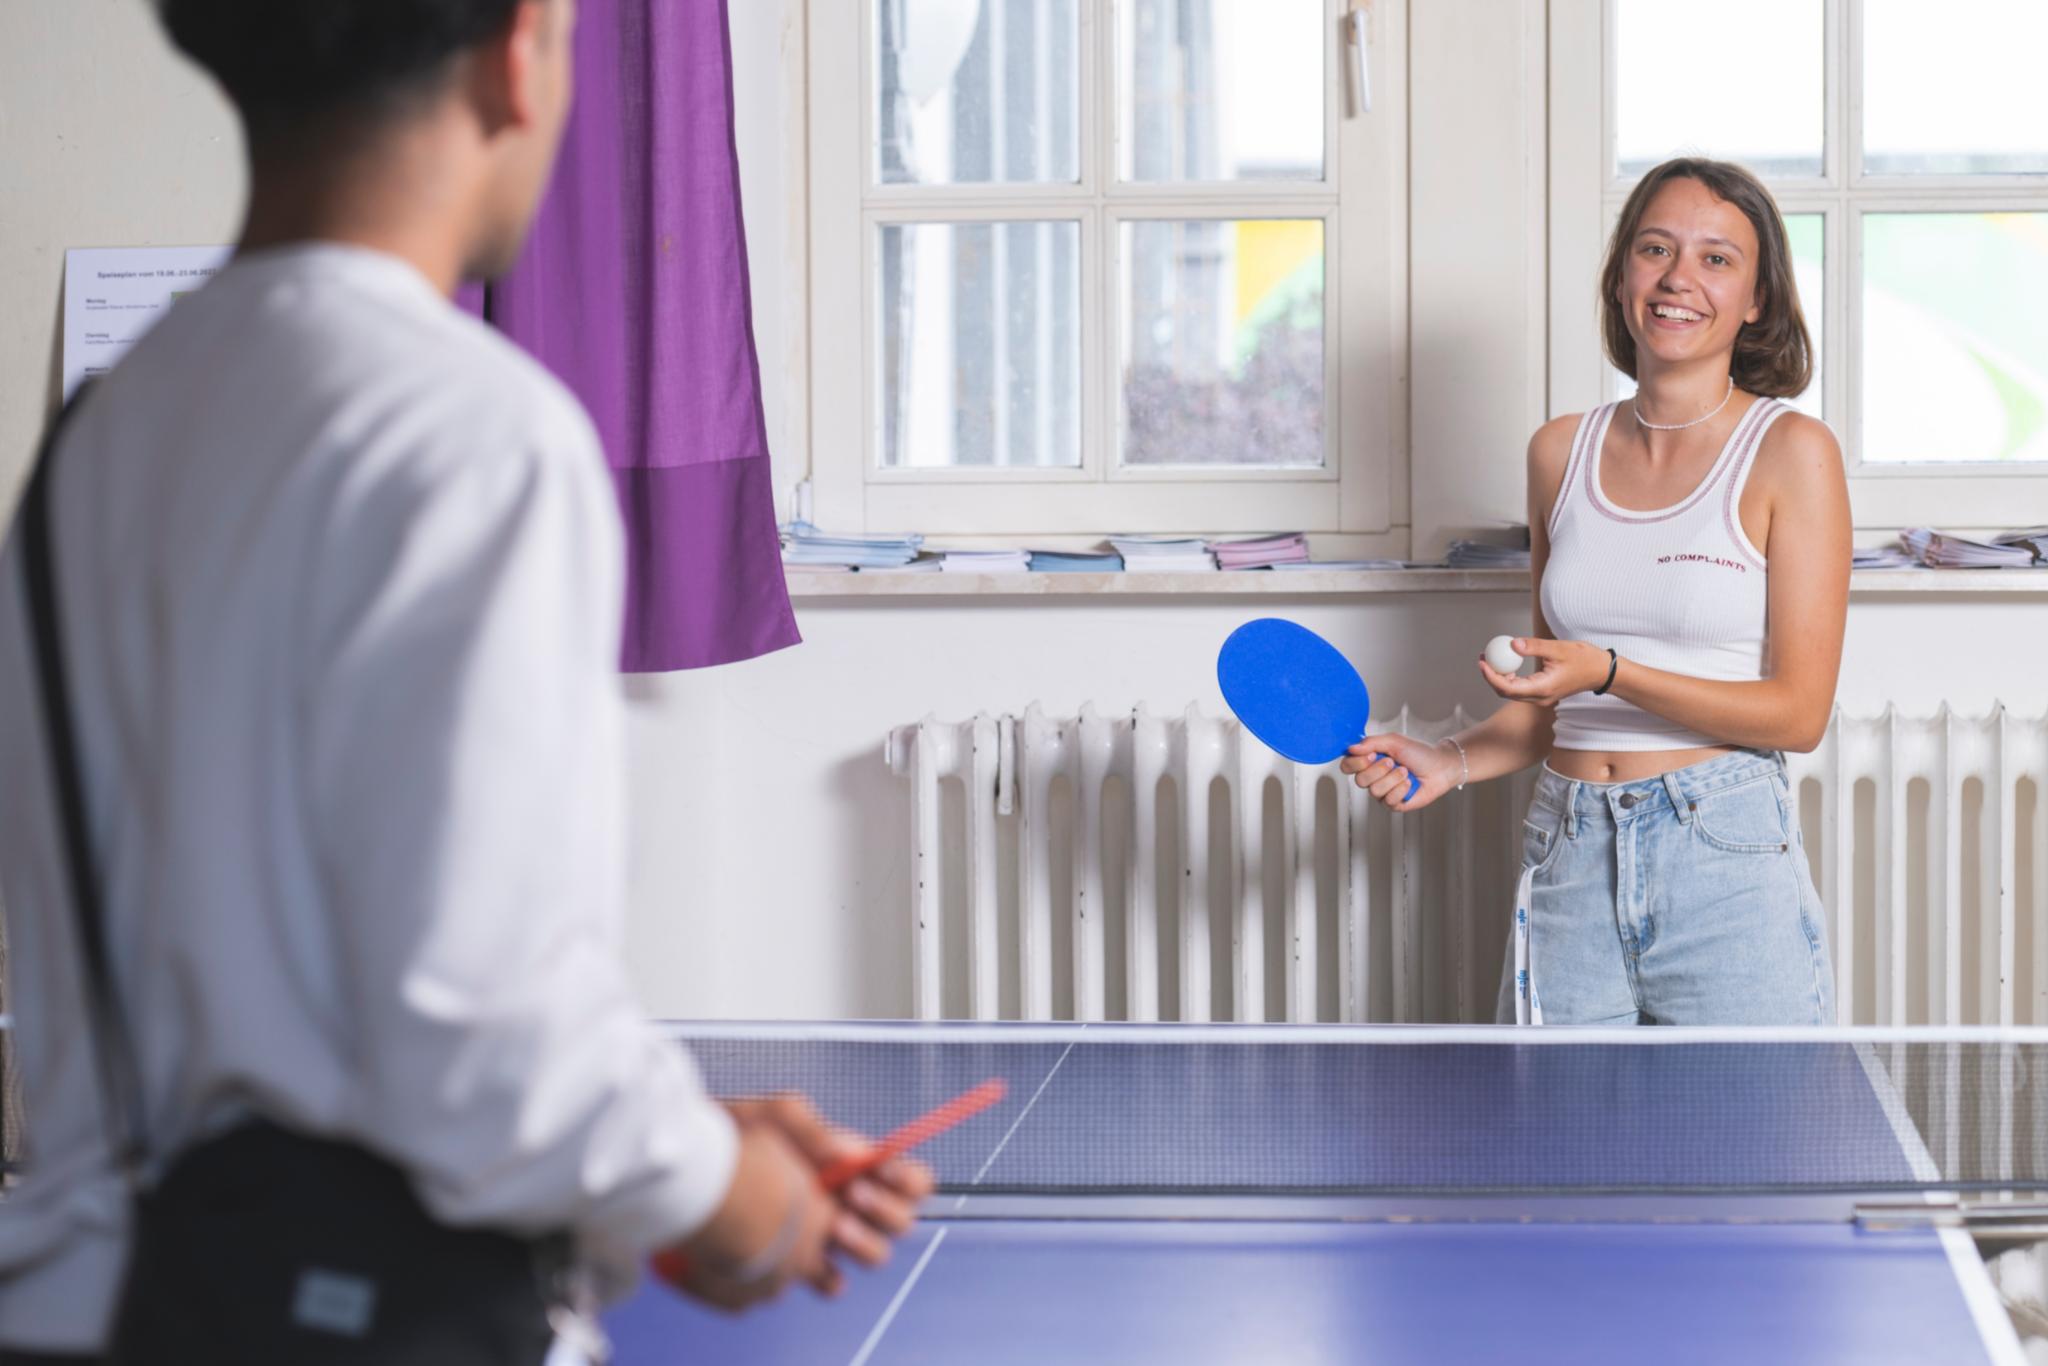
(1293, 690)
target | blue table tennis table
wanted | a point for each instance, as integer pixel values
(1285, 1196)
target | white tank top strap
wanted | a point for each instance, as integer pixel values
(1758, 421)
(1592, 430)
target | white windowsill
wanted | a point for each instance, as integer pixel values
(1255, 583)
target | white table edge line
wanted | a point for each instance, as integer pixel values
(911, 1031)
(874, 1337)
(1973, 1280)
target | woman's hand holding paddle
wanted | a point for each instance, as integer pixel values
(1383, 765)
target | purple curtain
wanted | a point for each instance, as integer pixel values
(634, 289)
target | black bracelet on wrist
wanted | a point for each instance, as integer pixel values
(1613, 663)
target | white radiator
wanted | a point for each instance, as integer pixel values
(1061, 871)
(1929, 841)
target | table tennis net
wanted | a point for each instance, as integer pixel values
(1095, 1112)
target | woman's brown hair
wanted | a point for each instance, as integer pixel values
(1774, 354)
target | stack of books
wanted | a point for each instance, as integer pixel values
(923, 564)
(1076, 562)
(1164, 554)
(805, 548)
(1261, 552)
(987, 561)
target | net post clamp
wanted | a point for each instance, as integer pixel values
(2010, 1218)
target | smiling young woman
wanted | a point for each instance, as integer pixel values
(1691, 552)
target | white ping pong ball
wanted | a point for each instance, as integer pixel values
(1501, 656)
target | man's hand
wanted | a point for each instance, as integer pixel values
(777, 1225)
(773, 1227)
(875, 1208)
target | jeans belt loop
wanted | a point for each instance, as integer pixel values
(1680, 803)
(1571, 810)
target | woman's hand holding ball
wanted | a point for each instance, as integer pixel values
(1563, 667)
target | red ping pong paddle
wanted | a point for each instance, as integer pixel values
(674, 1266)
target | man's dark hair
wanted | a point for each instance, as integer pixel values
(287, 64)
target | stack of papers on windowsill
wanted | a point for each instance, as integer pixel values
(1164, 554)
(1339, 566)
(2034, 538)
(806, 547)
(924, 564)
(1893, 556)
(1484, 555)
(1942, 550)
(1076, 562)
(1260, 552)
(987, 561)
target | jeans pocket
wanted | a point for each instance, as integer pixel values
(1746, 819)
(1542, 836)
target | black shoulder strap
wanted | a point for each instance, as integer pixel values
(120, 1079)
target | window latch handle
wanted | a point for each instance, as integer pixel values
(1359, 42)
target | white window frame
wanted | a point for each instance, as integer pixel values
(1363, 483)
(1586, 199)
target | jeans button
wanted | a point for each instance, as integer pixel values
(1628, 800)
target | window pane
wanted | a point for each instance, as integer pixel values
(1807, 233)
(1672, 91)
(976, 91)
(1955, 359)
(1954, 90)
(1223, 343)
(1221, 90)
(979, 360)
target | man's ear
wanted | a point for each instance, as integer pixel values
(505, 70)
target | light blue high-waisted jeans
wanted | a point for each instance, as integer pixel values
(1683, 899)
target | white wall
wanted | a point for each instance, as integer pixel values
(106, 140)
(1477, 198)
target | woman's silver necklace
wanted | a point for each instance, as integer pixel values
(1635, 410)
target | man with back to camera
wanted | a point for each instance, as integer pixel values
(339, 576)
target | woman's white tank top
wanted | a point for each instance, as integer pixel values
(1679, 589)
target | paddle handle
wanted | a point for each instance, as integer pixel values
(1414, 783)
(920, 1130)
